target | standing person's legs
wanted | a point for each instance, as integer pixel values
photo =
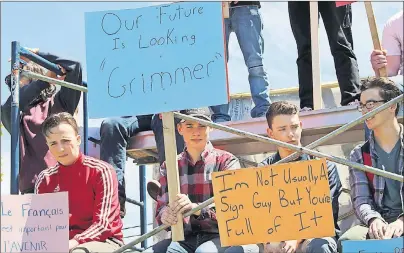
(346, 17)
(247, 24)
(157, 127)
(346, 66)
(299, 17)
(115, 134)
(221, 112)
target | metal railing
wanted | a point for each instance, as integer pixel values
(16, 52)
(291, 157)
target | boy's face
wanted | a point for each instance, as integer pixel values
(286, 128)
(195, 135)
(374, 100)
(64, 143)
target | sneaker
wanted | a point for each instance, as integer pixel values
(153, 188)
(306, 109)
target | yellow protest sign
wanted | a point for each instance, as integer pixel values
(273, 203)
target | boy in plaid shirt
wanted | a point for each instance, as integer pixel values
(378, 201)
(195, 166)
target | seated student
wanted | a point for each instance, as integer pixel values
(38, 100)
(378, 202)
(195, 165)
(115, 135)
(94, 221)
(392, 56)
(284, 125)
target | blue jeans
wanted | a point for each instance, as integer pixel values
(314, 245)
(198, 243)
(245, 21)
(115, 134)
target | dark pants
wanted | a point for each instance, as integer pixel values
(157, 127)
(337, 23)
(115, 135)
(194, 243)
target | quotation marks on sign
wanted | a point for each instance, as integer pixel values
(102, 65)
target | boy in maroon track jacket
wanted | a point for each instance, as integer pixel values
(94, 220)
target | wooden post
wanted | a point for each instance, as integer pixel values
(170, 148)
(226, 12)
(373, 32)
(315, 56)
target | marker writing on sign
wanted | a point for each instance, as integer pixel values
(111, 23)
(24, 246)
(230, 207)
(261, 203)
(313, 219)
(314, 200)
(284, 202)
(261, 181)
(4, 211)
(177, 13)
(166, 40)
(248, 228)
(161, 79)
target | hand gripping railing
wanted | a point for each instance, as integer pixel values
(286, 159)
(16, 52)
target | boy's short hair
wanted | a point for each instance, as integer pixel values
(55, 120)
(280, 108)
(387, 88)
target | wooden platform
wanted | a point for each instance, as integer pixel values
(316, 124)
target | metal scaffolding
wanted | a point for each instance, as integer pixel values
(291, 157)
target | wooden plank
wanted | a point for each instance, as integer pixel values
(315, 56)
(373, 31)
(173, 181)
(226, 12)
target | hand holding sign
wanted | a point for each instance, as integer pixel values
(377, 228)
(378, 59)
(394, 229)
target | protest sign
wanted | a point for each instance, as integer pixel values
(273, 203)
(35, 223)
(155, 59)
(395, 245)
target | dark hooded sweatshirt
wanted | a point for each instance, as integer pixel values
(34, 152)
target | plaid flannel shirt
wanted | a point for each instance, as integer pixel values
(365, 205)
(196, 181)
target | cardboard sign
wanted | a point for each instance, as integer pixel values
(273, 203)
(155, 59)
(395, 245)
(35, 223)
